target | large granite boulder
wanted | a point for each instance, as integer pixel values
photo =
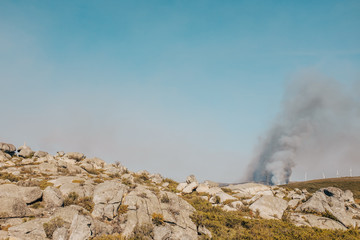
(107, 198)
(12, 207)
(269, 207)
(333, 201)
(311, 220)
(27, 194)
(25, 151)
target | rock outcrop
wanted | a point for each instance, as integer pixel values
(70, 196)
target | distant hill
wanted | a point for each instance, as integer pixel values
(344, 183)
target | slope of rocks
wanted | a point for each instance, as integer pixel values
(70, 196)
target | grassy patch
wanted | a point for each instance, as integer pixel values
(345, 183)
(237, 225)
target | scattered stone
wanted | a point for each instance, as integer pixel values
(75, 156)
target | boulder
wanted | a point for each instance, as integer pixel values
(4, 156)
(107, 198)
(142, 203)
(75, 156)
(222, 197)
(191, 179)
(202, 188)
(247, 190)
(31, 230)
(60, 234)
(190, 187)
(82, 227)
(96, 162)
(7, 148)
(332, 201)
(48, 168)
(181, 186)
(52, 197)
(310, 220)
(40, 154)
(27, 194)
(25, 151)
(11, 207)
(83, 190)
(269, 207)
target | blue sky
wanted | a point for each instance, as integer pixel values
(175, 87)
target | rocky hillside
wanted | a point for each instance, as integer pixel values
(70, 196)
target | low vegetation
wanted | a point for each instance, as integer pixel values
(74, 199)
(238, 225)
(345, 183)
(157, 219)
(9, 176)
(51, 226)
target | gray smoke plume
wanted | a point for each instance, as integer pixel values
(318, 123)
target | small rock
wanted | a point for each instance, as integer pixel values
(190, 187)
(75, 155)
(191, 179)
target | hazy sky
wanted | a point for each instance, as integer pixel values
(175, 87)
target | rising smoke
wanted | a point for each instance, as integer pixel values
(318, 123)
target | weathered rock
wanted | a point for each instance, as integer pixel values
(181, 186)
(142, 203)
(269, 207)
(102, 228)
(31, 230)
(27, 194)
(4, 156)
(88, 167)
(82, 227)
(96, 162)
(310, 220)
(221, 197)
(333, 201)
(202, 230)
(248, 190)
(83, 190)
(190, 187)
(107, 198)
(162, 232)
(191, 179)
(12, 207)
(48, 168)
(7, 147)
(202, 188)
(60, 234)
(156, 178)
(25, 151)
(52, 197)
(40, 154)
(75, 155)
